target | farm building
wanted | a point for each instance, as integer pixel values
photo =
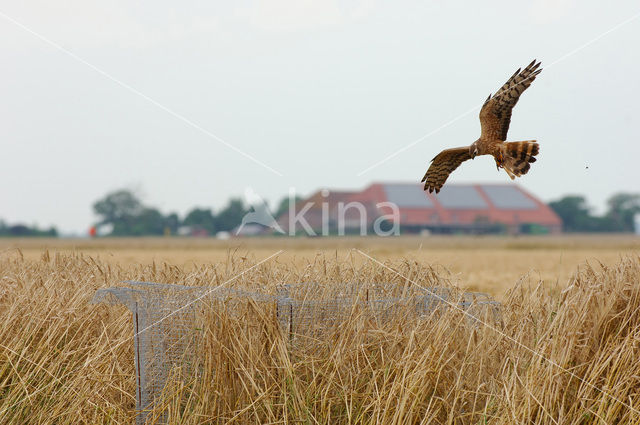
(458, 208)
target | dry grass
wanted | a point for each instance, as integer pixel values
(558, 356)
(488, 264)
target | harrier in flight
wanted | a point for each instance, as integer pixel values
(495, 116)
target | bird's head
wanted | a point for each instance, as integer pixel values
(473, 149)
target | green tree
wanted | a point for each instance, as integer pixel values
(128, 216)
(574, 212)
(149, 222)
(622, 209)
(231, 215)
(172, 222)
(203, 218)
(117, 206)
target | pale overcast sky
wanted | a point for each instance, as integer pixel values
(317, 91)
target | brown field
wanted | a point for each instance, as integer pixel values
(486, 264)
(562, 352)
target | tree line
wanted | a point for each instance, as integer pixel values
(125, 215)
(577, 216)
(23, 230)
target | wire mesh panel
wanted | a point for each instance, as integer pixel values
(168, 324)
(163, 324)
(309, 309)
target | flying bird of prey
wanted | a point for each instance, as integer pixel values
(514, 157)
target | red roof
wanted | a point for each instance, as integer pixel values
(524, 208)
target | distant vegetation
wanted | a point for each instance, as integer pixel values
(577, 217)
(126, 215)
(18, 230)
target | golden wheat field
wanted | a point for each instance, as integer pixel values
(563, 349)
(487, 264)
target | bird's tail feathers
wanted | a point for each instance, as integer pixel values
(519, 156)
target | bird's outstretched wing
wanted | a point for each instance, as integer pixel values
(442, 165)
(495, 114)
